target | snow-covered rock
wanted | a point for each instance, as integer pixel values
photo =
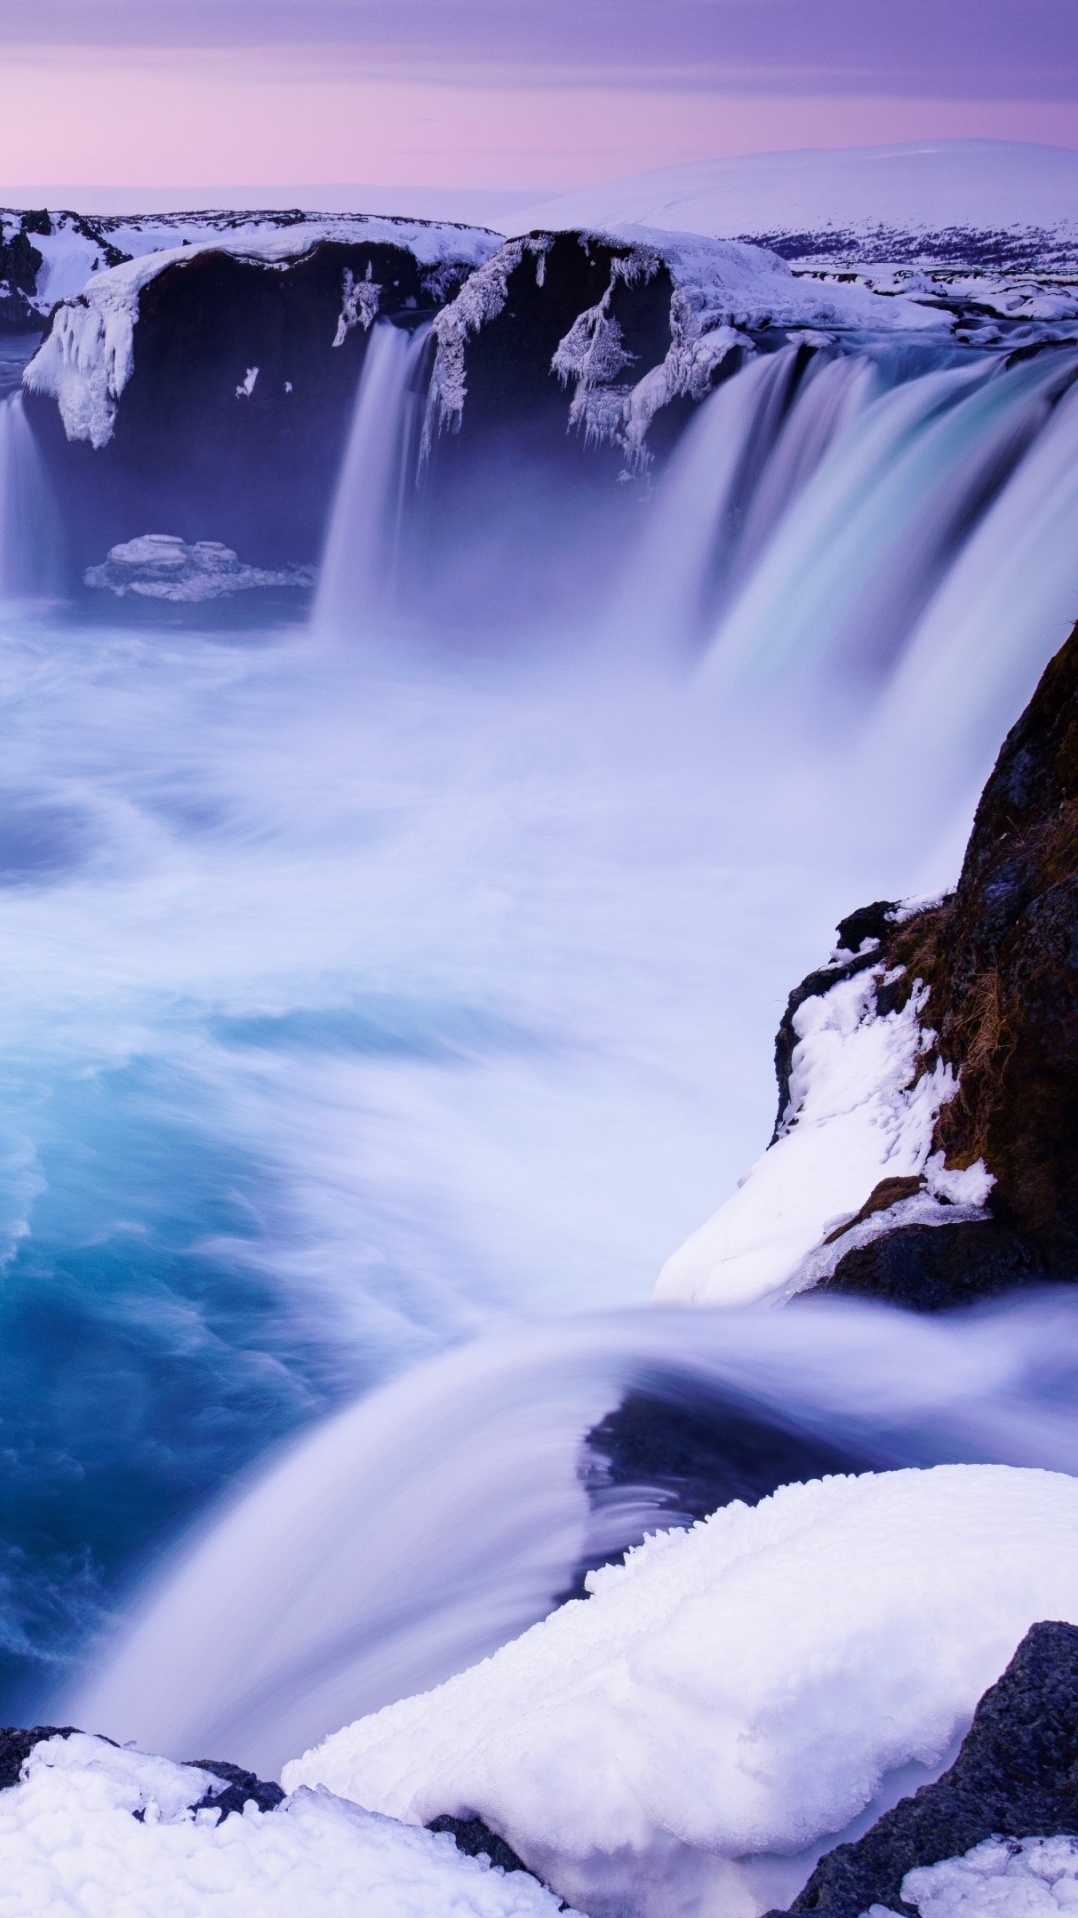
(692, 1737)
(861, 1107)
(208, 384)
(91, 1829)
(1002, 1878)
(714, 296)
(88, 355)
(163, 566)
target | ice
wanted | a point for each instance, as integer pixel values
(858, 1113)
(731, 1699)
(91, 1828)
(1002, 1878)
(88, 356)
(163, 566)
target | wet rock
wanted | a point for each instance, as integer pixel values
(1000, 957)
(17, 1743)
(232, 423)
(1016, 1775)
(240, 1788)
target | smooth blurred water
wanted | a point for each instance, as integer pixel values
(361, 997)
(348, 1013)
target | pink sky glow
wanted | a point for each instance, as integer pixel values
(170, 117)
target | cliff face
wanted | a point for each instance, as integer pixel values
(1000, 959)
(209, 395)
(926, 1150)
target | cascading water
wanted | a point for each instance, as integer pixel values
(828, 524)
(358, 576)
(426, 1525)
(28, 524)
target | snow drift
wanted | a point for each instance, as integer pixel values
(692, 1737)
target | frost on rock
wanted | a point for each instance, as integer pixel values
(162, 566)
(359, 303)
(695, 1735)
(1002, 1878)
(480, 300)
(91, 1828)
(862, 1108)
(87, 358)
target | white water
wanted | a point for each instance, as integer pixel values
(28, 526)
(358, 576)
(481, 966)
(423, 1527)
(861, 522)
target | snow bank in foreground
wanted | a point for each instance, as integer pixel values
(1003, 1878)
(92, 1829)
(694, 1736)
(858, 1113)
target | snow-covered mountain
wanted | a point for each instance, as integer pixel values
(929, 198)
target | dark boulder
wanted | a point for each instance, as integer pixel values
(1016, 1776)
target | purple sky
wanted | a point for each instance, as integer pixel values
(528, 94)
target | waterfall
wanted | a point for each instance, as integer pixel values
(430, 1522)
(363, 550)
(849, 570)
(28, 527)
(828, 526)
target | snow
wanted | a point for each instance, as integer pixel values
(931, 187)
(163, 566)
(92, 1829)
(720, 289)
(480, 300)
(733, 1699)
(861, 1109)
(87, 358)
(1002, 1878)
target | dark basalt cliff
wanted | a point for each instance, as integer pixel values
(233, 422)
(1000, 957)
(1016, 1776)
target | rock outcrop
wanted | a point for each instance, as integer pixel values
(1000, 960)
(1015, 1776)
(926, 1147)
(207, 389)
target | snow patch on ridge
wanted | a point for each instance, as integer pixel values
(691, 1738)
(862, 1108)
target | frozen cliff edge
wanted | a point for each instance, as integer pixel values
(582, 311)
(206, 389)
(88, 354)
(926, 1150)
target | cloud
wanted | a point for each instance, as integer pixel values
(962, 49)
